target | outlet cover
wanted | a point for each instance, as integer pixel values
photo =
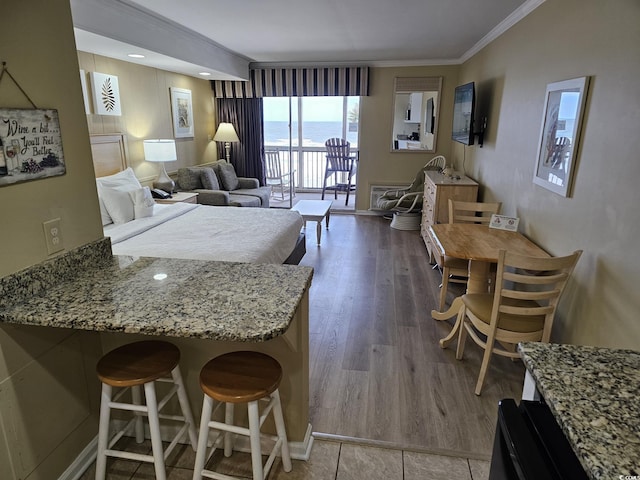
(53, 236)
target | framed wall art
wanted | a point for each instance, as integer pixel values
(182, 112)
(106, 94)
(560, 134)
(30, 145)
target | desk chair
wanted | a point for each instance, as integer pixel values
(521, 308)
(340, 164)
(456, 270)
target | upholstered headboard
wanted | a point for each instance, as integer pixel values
(109, 153)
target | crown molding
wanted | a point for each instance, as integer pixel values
(518, 14)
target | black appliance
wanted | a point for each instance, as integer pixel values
(529, 445)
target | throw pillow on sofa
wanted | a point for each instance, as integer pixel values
(228, 176)
(209, 179)
(189, 178)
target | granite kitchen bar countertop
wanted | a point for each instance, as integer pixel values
(158, 296)
(594, 394)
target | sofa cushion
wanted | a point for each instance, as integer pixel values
(209, 179)
(228, 176)
(243, 200)
(261, 193)
(189, 178)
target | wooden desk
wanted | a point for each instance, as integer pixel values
(480, 245)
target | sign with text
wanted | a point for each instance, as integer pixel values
(504, 223)
(30, 145)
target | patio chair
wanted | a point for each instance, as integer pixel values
(340, 164)
(279, 181)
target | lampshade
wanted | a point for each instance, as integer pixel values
(160, 150)
(226, 133)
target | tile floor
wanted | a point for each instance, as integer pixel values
(330, 460)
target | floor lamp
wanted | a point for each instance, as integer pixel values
(227, 134)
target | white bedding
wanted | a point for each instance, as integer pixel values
(202, 232)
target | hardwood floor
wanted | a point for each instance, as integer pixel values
(376, 369)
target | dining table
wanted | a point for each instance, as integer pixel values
(480, 245)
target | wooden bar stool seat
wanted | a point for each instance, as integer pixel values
(241, 377)
(132, 367)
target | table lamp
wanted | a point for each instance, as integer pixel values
(161, 150)
(227, 134)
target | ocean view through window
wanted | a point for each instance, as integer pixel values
(313, 121)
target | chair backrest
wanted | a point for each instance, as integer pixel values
(472, 212)
(438, 163)
(272, 164)
(531, 286)
(339, 157)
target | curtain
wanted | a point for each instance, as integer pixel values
(246, 116)
(297, 82)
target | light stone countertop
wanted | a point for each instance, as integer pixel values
(214, 300)
(594, 394)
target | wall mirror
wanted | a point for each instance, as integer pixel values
(416, 107)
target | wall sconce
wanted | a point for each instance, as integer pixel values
(161, 150)
(226, 133)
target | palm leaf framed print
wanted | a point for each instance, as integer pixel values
(106, 94)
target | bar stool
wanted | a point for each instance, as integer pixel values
(134, 365)
(241, 377)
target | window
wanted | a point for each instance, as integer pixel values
(313, 120)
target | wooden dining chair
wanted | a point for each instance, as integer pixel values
(456, 270)
(521, 308)
(342, 165)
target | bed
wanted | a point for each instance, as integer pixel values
(189, 231)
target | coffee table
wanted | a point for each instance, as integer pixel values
(314, 211)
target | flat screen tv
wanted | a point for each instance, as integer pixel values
(463, 112)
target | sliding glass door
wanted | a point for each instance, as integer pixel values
(299, 126)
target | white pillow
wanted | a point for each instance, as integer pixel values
(142, 202)
(119, 203)
(123, 178)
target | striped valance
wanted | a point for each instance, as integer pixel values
(297, 82)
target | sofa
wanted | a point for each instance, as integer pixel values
(217, 184)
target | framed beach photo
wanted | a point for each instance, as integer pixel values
(182, 112)
(560, 134)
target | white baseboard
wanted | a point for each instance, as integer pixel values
(298, 451)
(82, 461)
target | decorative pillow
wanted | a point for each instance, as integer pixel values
(104, 214)
(123, 178)
(189, 178)
(209, 179)
(119, 203)
(228, 176)
(142, 202)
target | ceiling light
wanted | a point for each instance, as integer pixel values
(205, 74)
(135, 55)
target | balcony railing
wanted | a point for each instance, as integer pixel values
(309, 164)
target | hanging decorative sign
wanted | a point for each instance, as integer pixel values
(30, 145)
